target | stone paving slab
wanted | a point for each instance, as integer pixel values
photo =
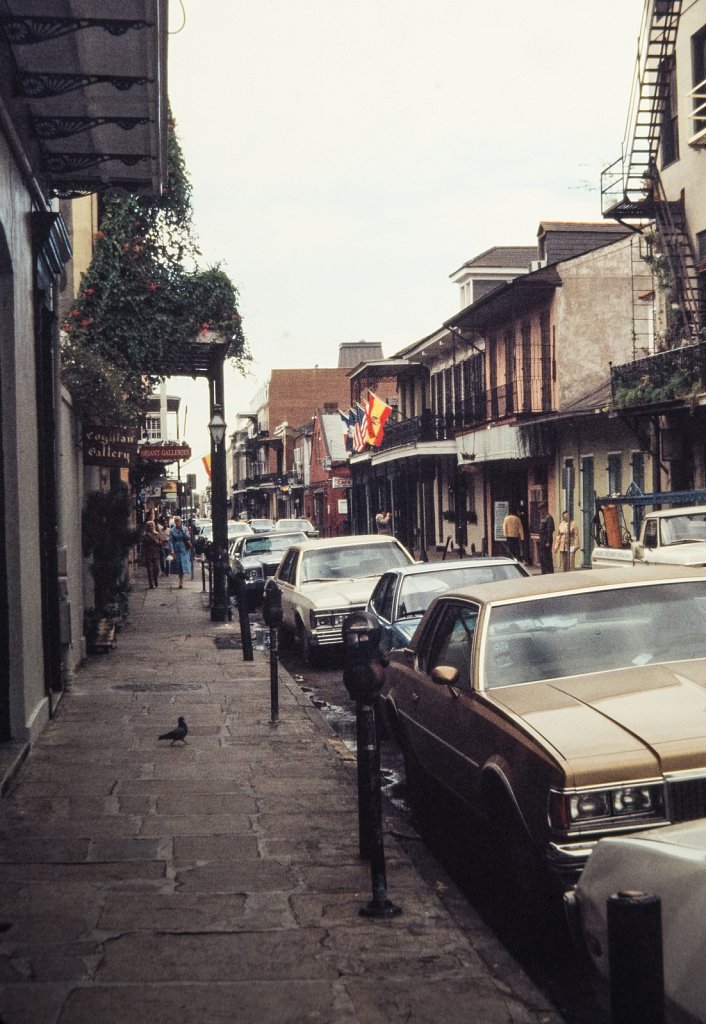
(217, 880)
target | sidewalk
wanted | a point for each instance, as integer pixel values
(219, 881)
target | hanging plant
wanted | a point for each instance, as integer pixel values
(142, 300)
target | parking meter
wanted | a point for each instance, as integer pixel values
(272, 605)
(361, 640)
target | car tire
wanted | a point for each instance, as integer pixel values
(518, 858)
(310, 654)
(285, 640)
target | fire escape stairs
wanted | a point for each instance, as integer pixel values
(623, 184)
(676, 244)
(631, 187)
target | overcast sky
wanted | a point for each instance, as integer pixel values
(347, 156)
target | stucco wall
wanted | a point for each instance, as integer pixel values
(592, 317)
(70, 501)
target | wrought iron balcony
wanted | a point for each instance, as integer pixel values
(677, 374)
(426, 427)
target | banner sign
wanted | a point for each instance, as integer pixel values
(164, 452)
(109, 446)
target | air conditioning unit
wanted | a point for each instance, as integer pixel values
(326, 462)
(537, 265)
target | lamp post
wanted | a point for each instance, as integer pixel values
(220, 610)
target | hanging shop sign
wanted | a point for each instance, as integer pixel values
(165, 452)
(109, 446)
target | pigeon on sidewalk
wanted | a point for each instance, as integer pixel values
(176, 734)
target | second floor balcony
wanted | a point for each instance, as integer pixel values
(678, 374)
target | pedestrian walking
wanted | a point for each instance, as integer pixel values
(546, 539)
(151, 552)
(180, 544)
(566, 542)
(163, 531)
(514, 533)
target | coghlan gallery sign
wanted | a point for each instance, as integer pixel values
(110, 446)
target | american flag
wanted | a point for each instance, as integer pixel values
(360, 428)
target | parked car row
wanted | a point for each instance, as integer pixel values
(566, 712)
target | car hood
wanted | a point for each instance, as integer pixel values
(252, 561)
(339, 593)
(632, 723)
(678, 554)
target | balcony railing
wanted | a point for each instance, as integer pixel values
(418, 428)
(679, 373)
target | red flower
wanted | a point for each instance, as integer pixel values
(74, 312)
(126, 246)
(86, 323)
(88, 292)
(152, 287)
(97, 235)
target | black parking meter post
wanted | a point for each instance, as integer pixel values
(241, 598)
(635, 960)
(210, 581)
(363, 680)
(272, 614)
(203, 575)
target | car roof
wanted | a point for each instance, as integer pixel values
(527, 587)
(481, 562)
(669, 513)
(276, 534)
(321, 543)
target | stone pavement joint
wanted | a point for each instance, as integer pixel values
(219, 880)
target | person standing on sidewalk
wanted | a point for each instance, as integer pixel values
(567, 542)
(383, 522)
(546, 539)
(151, 552)
(514, 533)
(181, 549)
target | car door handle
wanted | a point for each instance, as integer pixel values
(415, 697)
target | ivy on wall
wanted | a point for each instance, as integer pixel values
(143, 300)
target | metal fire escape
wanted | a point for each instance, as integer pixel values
(631, 186)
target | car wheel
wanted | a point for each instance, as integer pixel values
(517, 856)
(310, 654)
(285, 640)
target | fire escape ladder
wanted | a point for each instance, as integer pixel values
(678, 250)
(623, 183)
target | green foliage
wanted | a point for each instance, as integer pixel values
(142, 301)
(645, 391)
(107, 539)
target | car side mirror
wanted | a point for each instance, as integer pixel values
(445, 675)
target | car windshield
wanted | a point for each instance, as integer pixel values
(418, 589)
(351, 562)
(689, 528)
(235, 529)
(594, 631)
(266, 545)
(293, 524)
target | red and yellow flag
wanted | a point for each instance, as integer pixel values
(206, 459)
(378, 413)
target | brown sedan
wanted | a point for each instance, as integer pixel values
(560, 708)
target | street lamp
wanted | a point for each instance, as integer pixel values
(217, 426)
(220, 607)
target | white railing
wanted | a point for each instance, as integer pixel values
(698, 115)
